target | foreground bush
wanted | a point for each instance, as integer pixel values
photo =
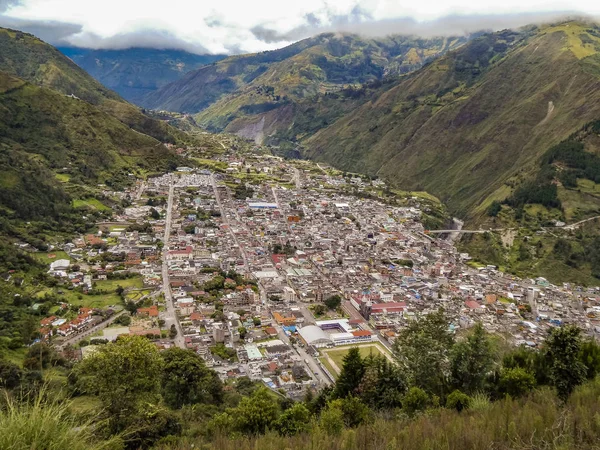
(46, 425)
(539, 421)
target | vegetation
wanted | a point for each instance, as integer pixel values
(172, 400)
(472, 88)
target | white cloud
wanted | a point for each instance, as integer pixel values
(231, 25)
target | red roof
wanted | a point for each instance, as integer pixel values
(472, 304)
(360, 333)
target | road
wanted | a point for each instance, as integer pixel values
(566, 227)
(78, 337)
(226, 220)
(315, 370)
(274, 191)
(170, 315)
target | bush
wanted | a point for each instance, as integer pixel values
(123, 320)
(416, 399)
(516, 381)
(458, 400)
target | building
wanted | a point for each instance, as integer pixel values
(315, 336)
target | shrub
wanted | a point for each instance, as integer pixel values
(458, 400)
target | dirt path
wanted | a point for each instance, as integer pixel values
(548, 114)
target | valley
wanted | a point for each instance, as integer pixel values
(344, 241)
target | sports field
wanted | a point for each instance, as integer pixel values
(333, 358)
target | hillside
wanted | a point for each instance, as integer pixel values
(135, 72)
(24, 56)
(532, 238)
(240, 91)
(61, 134)
(465, 124)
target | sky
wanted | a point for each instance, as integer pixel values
(242, 26)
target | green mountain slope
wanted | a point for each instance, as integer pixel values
(135, 72)
(241, 90)
(466, 123)
(25, 56)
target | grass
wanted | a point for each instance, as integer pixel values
(329, 367)
(45, 425)
(337, 354)
(111, 285)
(63, 177)
(539, 421)
(91, 202)
(45, 258)
(95, 301)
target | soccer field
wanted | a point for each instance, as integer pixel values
(337, 354)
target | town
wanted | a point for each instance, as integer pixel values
(272, 269)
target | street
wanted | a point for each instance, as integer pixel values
(171, 314)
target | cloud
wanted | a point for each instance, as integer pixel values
(5, 4)
(159, 39)
(57, 33)
(236, 26)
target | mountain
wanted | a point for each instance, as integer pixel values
(24, 56)
(242, 91)
(465, 124)
(61, 134)
(135, 72)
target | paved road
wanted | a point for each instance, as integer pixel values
(171, 314)
(314, 369)
(78, 337)
(226, 220)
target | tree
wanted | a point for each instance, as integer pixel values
(125, 375)
(10, 375)
(422, 351)
(154, 214)
(124, 320)
(294, 420)
(471, 360)
(257, 413)
(458, 400)
(494, 209)
(515, 381)
(319, 310)
(333, 302)
(566, 371)
(589, 355)
(353, 369)
(172, 331)
(415, 400)
(41, 356)
(355, 411)
(243, 332)
(383, 384)
(332, 418)
(120, 290)
(186, 380)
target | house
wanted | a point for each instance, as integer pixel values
(151, 311)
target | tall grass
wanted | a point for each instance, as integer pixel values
(46, 425)
(539, 422)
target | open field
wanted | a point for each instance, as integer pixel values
(95, 301)
(333, 358)
(45, 258)
(92, 203)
